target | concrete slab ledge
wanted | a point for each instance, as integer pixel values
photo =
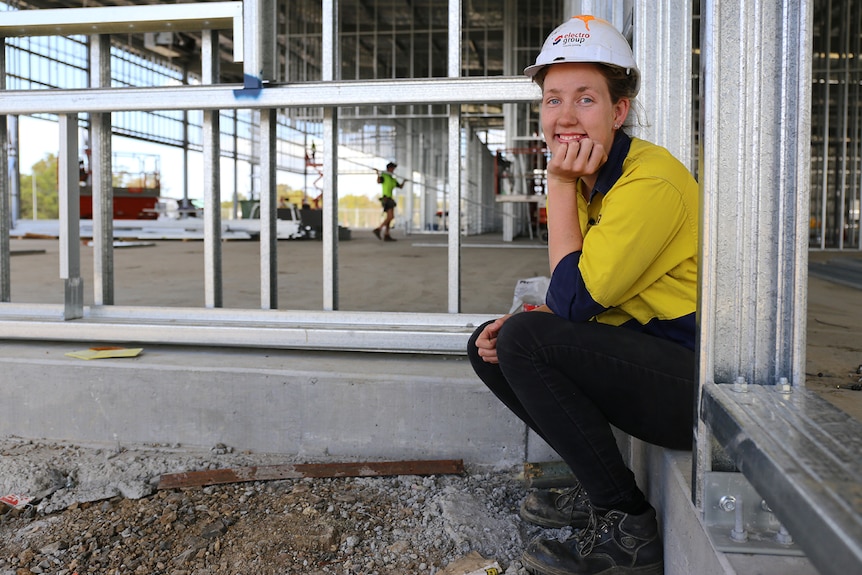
(320, 404)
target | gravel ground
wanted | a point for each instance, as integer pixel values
(99, 510)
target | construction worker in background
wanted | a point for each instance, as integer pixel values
(388, 183)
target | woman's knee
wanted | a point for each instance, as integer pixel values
(517, 332)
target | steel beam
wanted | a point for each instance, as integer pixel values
(268, 210)
(453, 203)
(213, 280)
(126, 20)
(802, 454)
(101, 177)
(666, 93)
(755, 179)
(755, 182)
(5, 206)
(330, 72)
(231, 96)
(389, 332)
(70, 218)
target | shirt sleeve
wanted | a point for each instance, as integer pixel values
(567, 295)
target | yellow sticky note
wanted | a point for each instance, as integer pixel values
(105, 352)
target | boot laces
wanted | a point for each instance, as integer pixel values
(587, 538)
(569, 497)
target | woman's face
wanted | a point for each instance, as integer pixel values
(576, 104)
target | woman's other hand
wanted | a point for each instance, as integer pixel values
(487, 340)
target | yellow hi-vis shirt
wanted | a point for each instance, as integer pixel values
(638, 266)
(388, 184)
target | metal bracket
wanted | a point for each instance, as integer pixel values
(739, 520)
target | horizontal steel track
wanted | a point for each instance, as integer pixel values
(398, 332)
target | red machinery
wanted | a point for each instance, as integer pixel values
(136, 187)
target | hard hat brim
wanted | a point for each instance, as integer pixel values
(531, 71)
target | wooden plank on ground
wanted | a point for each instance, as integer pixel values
(547, 474)
(302, 470)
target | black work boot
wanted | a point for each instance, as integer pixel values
(555, 508)
(615, 543)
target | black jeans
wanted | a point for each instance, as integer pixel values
(570, 382)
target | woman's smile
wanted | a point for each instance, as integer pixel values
(568, 138)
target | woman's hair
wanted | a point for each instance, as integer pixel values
(621, 83)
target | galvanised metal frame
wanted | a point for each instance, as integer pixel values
(329, 73)
(70, 219)
(755, 182)
(667, 98)
(434, 333)
(754, 178)
(213, 285)
(5, 204)
(102, 178)
(389, 332)
(228, 96)
(454, 197)
(126, 19)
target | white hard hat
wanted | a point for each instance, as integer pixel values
(586, 39)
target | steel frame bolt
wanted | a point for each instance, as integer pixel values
(738, 533)
(783, 536)
(727, 503)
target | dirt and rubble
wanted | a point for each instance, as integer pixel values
(102, 512)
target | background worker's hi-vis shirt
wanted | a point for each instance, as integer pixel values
(638, 267)
(389, 184)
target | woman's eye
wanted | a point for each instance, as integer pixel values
(586, 100)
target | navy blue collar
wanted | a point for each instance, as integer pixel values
(611, 171)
